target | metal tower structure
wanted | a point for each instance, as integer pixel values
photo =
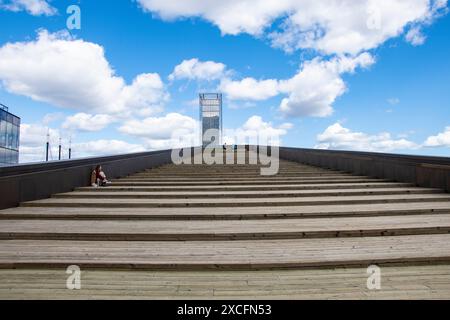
(211, 118)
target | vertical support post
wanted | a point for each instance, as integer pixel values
(70, 148)
(59, 149)
(47, 149)
(46, 152)
(221, 119)
(201, 120)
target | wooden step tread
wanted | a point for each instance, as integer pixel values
(398, 282)
(201, 217)
(203, 175)
(262, 254)
(224, 230)
(211, 178)
(232, 170)
(237, 213)
(230, 202)
(93, 193)
(238, 187)
(125, 182)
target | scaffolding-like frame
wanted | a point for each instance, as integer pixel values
(211, 97)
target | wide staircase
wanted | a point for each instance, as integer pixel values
(225, 230)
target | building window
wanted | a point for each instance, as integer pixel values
(9, 138)
(2, 133)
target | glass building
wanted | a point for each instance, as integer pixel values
(9, 137)
(211, 118)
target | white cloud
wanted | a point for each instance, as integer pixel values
(176, 130)
(256, 128)
(440, 140)
(194, 69)
(328, 26)
(348, 26)
(146, 93)
(339, 138)
(393, 101)
(33, 7)
(87, 122)
(342, 30)
(95, 148)
(318, 84)
(75, 74)
(164, 132)
(192, 103)
(249, 89)
(35, 154)
(36, 135)
(105, 147)
(311, 92)
(256, 124)
(232, 16)
(52, 117)
(34, 138)
(415, 36)
(241, 105)
(159, 127)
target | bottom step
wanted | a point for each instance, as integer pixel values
(398, 282)
(233, 255)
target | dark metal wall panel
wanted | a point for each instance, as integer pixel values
(40, 181)
(433, 172)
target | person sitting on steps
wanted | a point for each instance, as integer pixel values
(98, 178)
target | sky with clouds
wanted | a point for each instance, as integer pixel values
(334, 74)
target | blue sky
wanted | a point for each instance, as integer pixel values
(318, 78)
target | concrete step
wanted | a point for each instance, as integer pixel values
(93, 193)
(231, 255)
